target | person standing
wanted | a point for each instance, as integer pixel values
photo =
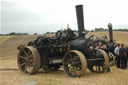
(122, 54)
(116, 51)
(126, 51)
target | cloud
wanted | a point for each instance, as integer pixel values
(51, 15)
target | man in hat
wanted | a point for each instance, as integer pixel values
(122, 54)
(126, 51)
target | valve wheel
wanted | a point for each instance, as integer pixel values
(74, 63)
(100, 68)
(28, 60)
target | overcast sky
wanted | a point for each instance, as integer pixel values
(51, 15)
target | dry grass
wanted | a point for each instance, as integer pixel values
(4, 38)
(10, 75)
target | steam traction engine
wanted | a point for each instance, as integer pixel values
(110, 43)
(74, 53)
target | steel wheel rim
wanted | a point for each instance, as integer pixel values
(97, 68)
(112, 59)
(103, 67)
(106, 59)
(28, 60)
(73, 65)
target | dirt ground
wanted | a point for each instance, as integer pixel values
(10, 74)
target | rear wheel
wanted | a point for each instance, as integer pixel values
(28, 59)
(100, 68)
(74, 63)
(111, 59)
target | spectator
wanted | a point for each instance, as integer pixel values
(99, 45)
(126, 50)
(116, 51)
(104, 47)
(122, 54)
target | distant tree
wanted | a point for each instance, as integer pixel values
(105, 29)
(12, 33)
(123, 30)
(100, 29)
(92, 30)
(35, 34)
(25, 33)
(1, 34)
(53, 32)
(48, 32)
(87, 30)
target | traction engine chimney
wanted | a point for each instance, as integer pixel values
(110, 32)
(80, 20)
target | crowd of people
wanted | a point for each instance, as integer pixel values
(121, 53)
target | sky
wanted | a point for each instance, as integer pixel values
(40, 16)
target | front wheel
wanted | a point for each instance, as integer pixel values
(74, 63)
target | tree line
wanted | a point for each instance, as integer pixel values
(14, 33)
(95, 30)
(105, 29)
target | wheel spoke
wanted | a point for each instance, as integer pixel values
(74, 70)
(78, 68)
(29, 53)
(22, 57)
(31, 61)
(98, 68)
(30, 64)
(25, 54)
(78, 62)
(70, 67)
(25, 70)
(22, 64)
(29, 69)
(70, 55)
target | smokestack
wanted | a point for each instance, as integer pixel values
(110, 32)
(80, 20)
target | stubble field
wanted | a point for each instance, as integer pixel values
(10, 74)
